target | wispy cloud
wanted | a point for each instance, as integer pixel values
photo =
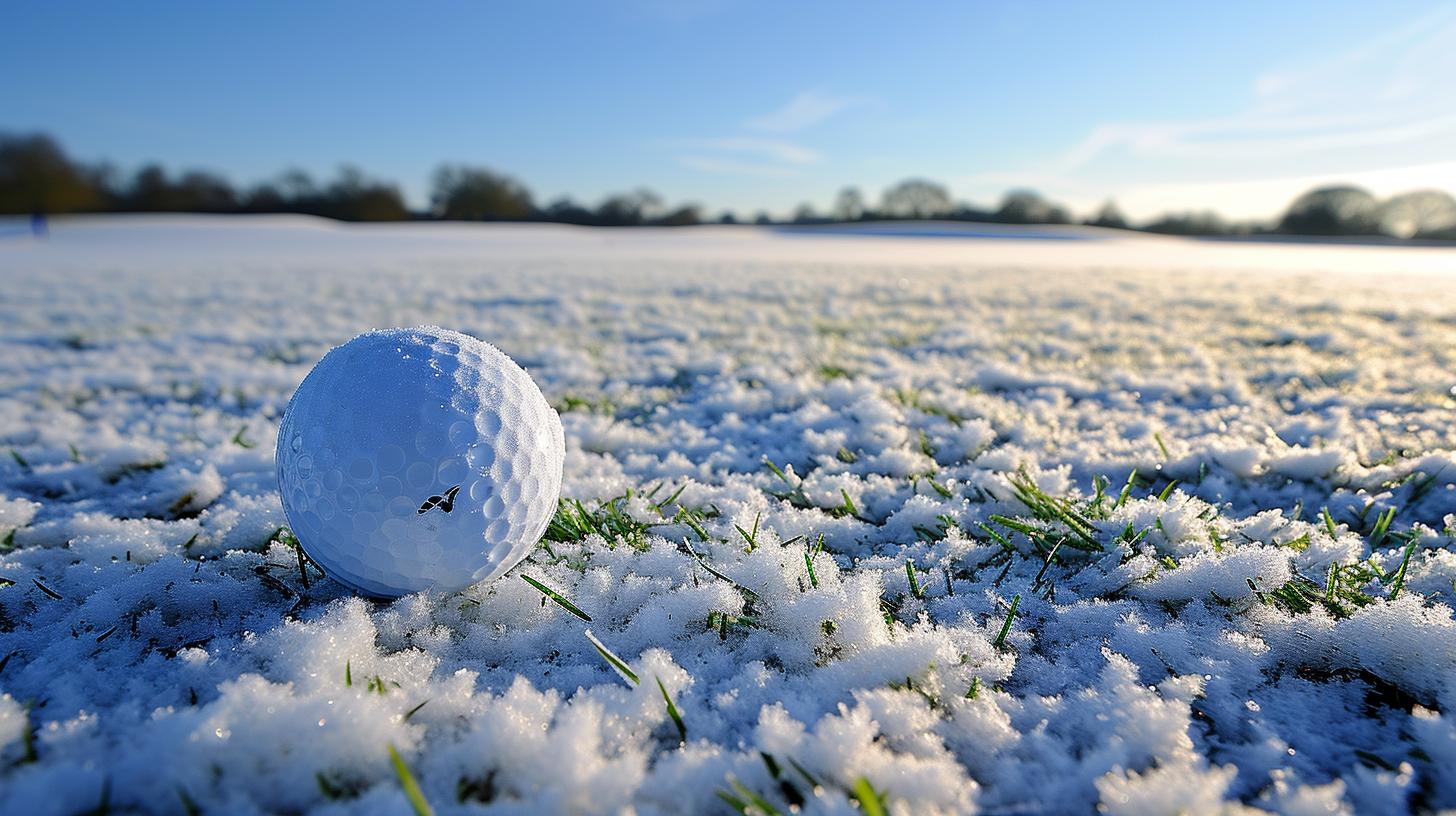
(1252, 136)
(1390, 90)
(803, 111)
(775, 150)
(767, 151)
(1370, 111)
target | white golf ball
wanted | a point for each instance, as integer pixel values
(414, 459)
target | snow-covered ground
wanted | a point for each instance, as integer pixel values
(1234, 631)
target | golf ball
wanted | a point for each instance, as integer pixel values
(414, 459)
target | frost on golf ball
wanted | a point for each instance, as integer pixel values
(421, 458)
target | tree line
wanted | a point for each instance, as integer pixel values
(38, 177)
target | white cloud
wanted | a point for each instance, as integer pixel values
(803, 111)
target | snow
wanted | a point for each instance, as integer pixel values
(160, 645)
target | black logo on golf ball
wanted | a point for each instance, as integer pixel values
(445, 502)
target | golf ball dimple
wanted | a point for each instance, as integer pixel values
(412, 459)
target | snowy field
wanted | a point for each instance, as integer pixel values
(934, 525)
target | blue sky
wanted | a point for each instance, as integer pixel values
(1235, 106)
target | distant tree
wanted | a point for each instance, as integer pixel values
(108, 182)
(969, 212)
(1029, 207)
(1422, 213)
(297, 185)
(36, 176)
(1108, 216)
(292, 191)
(152, 190)
(849, 205)
(629, 209)
(1337, 210)
(685, 216)
(264, 197)
(198, 191)
(915, 198)
(353, 197)
(149, 191)
(805, 214)
(1189, 223)
(475, 194)
(566, 211)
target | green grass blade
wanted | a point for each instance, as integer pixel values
(1006, 626)
(739, 806)
(756, 801)
(241, 441)
(804, 772)
(1123, 496)
(777, 471)
(1382, 527)
(412, 791)
(557, 597)
(915, 588)
(871, 801)
(715, 573)
(682, 728)
(1399, 581)
(189, 806)
(47, 590)
(615, 662)
(997, 537)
